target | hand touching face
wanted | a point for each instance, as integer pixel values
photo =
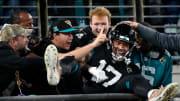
(99, 22)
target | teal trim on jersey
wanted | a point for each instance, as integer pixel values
(76, 68)
(92, 53)
(128, 84)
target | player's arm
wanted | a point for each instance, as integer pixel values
(83, 51)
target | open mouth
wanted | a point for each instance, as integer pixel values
(68, 44)
(120, 52)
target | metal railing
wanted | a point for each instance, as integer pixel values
(137, 7)
(159, 15)
(77, 97)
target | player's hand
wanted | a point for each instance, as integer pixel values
(101, 38)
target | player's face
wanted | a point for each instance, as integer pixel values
(98, 22)
(120, 48)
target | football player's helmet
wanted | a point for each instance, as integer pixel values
(124, 32)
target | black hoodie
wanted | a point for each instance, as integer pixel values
(10, 62)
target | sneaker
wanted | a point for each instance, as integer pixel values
(166, 93)
(52, 65)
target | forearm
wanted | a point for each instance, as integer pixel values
(80, 52)
(83, 51)
(147, 33)
(162, 40)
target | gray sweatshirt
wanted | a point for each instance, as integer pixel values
(168, 41)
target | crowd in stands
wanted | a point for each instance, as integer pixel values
(82, 11)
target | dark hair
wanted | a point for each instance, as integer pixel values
(147, 46)
(15, 16)
(54, 23)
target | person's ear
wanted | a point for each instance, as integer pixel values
(109, 23)
(54, 35)
(12, 42)
(90, 24)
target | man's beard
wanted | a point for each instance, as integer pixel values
(23, 51)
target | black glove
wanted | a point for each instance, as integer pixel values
(68, 65)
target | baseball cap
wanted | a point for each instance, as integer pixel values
(63, 26)
(10, 31)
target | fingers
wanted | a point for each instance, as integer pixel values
(102, 30)
(103, 35)
(101, 38)
(131, 23)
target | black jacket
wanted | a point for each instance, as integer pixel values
(10, 62)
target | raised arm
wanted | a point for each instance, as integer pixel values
(83, 51)
(163, 40)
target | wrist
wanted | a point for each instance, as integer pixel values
(92, 45)
(136, 25)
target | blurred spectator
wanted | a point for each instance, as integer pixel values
(156, 11)
(9, 11)
(172, 11)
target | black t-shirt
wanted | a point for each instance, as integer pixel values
(82, 38)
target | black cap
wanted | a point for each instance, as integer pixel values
(63, 26)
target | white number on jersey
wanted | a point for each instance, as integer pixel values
(111, 69)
